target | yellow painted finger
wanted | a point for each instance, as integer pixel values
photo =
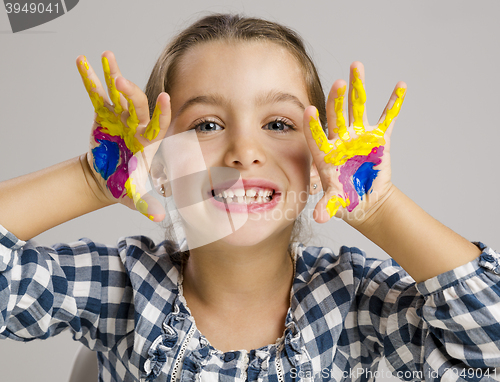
(104, 115)
(392, 112)
(140, 204)
(341, 129)
(132, 120)
(114, 94)
(358, 99)
(154, 125)
(90, 86)
(335, 203)
(106, 118)
(319, 135)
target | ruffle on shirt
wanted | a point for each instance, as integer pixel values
(179, 329)
(166, 346)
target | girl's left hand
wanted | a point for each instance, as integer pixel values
(354, 164)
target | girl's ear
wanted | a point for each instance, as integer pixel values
(315, 185)
(160, 180)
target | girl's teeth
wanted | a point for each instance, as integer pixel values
(251, 193)
(239, 192)
(249, 196)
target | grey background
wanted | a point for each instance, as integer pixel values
(444, 148)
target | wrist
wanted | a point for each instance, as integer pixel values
(374, 216)
(92, 187)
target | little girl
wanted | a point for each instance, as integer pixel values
(236, 111)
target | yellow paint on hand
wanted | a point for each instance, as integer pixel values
(341, 129)
(140, 204)
(110, 81)
(334, 204)
(132, 120)
(319, 135)
(391, 113)
(110, 121)
(358, 99)
(362, 145)
(154, 125)
(366, 141)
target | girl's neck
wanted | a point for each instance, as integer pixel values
(221, 276)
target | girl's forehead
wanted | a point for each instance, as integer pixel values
(229, 64)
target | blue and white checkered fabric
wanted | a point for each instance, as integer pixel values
(347, 312)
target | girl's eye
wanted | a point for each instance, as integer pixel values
(207, 127)
(279, 126)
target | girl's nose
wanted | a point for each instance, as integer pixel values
(244, 152)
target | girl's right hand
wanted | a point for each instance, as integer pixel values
(124, 139)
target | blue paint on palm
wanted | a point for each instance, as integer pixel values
(106, 157)
(363, 178)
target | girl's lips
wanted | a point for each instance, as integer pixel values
(247, 183)
(243, 207)
(247, 208)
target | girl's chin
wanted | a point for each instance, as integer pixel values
(255, 232)
(205, 224)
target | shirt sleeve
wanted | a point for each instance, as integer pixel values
(445, 328)
(82, 286)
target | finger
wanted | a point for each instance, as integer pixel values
(160, 121)
(357, 98)
(137, 102)
(92, 84)
(328, 206)
(335, 112)
(143, 201)
(391, 112)
(111, 72)
(315, 136)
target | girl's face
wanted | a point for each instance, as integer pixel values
(244, 102)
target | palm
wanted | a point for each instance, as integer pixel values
(120, 134)
(354, 166)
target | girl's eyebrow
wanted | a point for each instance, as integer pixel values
(271, 97)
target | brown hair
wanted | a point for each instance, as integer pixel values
(234, 28)
(228, 27)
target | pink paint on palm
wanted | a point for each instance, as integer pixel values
(348, 170)
(116, 182)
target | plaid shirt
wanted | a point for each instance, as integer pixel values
(347, 311)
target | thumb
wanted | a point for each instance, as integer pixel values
(139, 189)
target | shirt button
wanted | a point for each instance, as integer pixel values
(228, 357)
